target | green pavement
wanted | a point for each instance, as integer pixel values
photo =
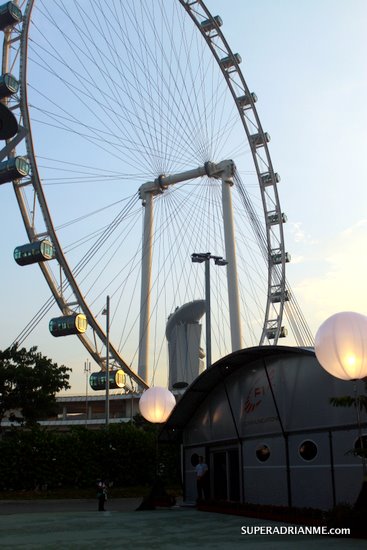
(76, 524)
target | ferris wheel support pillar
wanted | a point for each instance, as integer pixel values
(146, 276)
(232, 278)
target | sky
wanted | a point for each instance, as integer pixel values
(308, 68)
(306, 62)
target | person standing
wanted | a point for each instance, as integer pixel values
(101, 495)
(201, 470)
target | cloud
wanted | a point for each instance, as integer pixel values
(298, 234)
(297, 259)
(339, 275)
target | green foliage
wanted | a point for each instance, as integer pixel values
(348, 401)
(123, 454)
(359, 401)
(29, 382)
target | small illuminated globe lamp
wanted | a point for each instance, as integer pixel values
(156, 404)
(341, 345)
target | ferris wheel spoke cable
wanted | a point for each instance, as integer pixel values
(173, 254)
(121, 145)
(179, 76)
(162, 232)
(101, 133)
(142, 91)
(253, 217)
(102, 239)
(161, 144)
(186, 114)
(157, 111)
(28, 329)
(104, 267)
(143, 120)
(98, 232)
(103, 171)
(96, 135)
(145, 68)
(177, 285)
(74, 90)
(191, 93)
(89, 215)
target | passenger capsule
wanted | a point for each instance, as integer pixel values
(267, 179)
(230, 61)
(97, 380)
(271, 332)
(277, 257)
(210, 24)
(275, 217)
(10, 15)
(259, 140)
(31, 253)
(245, 101)
(278, 296)
(68, 324)
(9, 85)
(14, 169)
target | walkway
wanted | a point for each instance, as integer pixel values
(60, 524)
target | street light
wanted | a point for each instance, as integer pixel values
(156, 404)
(87, 366)
(106, 312)
(341, 345)
(341, 349)
(218, 260)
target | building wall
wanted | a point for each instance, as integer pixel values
(286, 408)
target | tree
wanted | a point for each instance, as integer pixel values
(360, 403)
(29, 382)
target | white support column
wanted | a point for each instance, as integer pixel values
(223, 170)
(146, 276)
(232, 278)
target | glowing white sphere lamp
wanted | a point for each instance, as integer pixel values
(156, 404)
(341, 345)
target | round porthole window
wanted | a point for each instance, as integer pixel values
(194, 459)
(262, 453)
(360, 446)
(307, 450)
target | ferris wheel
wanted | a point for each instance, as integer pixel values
(140, 145)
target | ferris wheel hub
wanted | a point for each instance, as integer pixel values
(222, 170)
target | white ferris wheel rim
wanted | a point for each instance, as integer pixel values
(261, 158)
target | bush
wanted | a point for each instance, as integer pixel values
(123, 454)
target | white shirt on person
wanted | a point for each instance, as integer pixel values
(200, 469)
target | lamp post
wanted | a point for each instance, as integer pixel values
(87, 367)
(341, 349)
(155, 405)
(106, 312)
(218, 260)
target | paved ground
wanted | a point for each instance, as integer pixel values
(60, 524)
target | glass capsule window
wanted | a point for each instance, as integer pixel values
(22, 165)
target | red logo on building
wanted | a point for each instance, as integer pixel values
(258, 390)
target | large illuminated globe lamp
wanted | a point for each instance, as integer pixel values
(156, 404)
(341, 345)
